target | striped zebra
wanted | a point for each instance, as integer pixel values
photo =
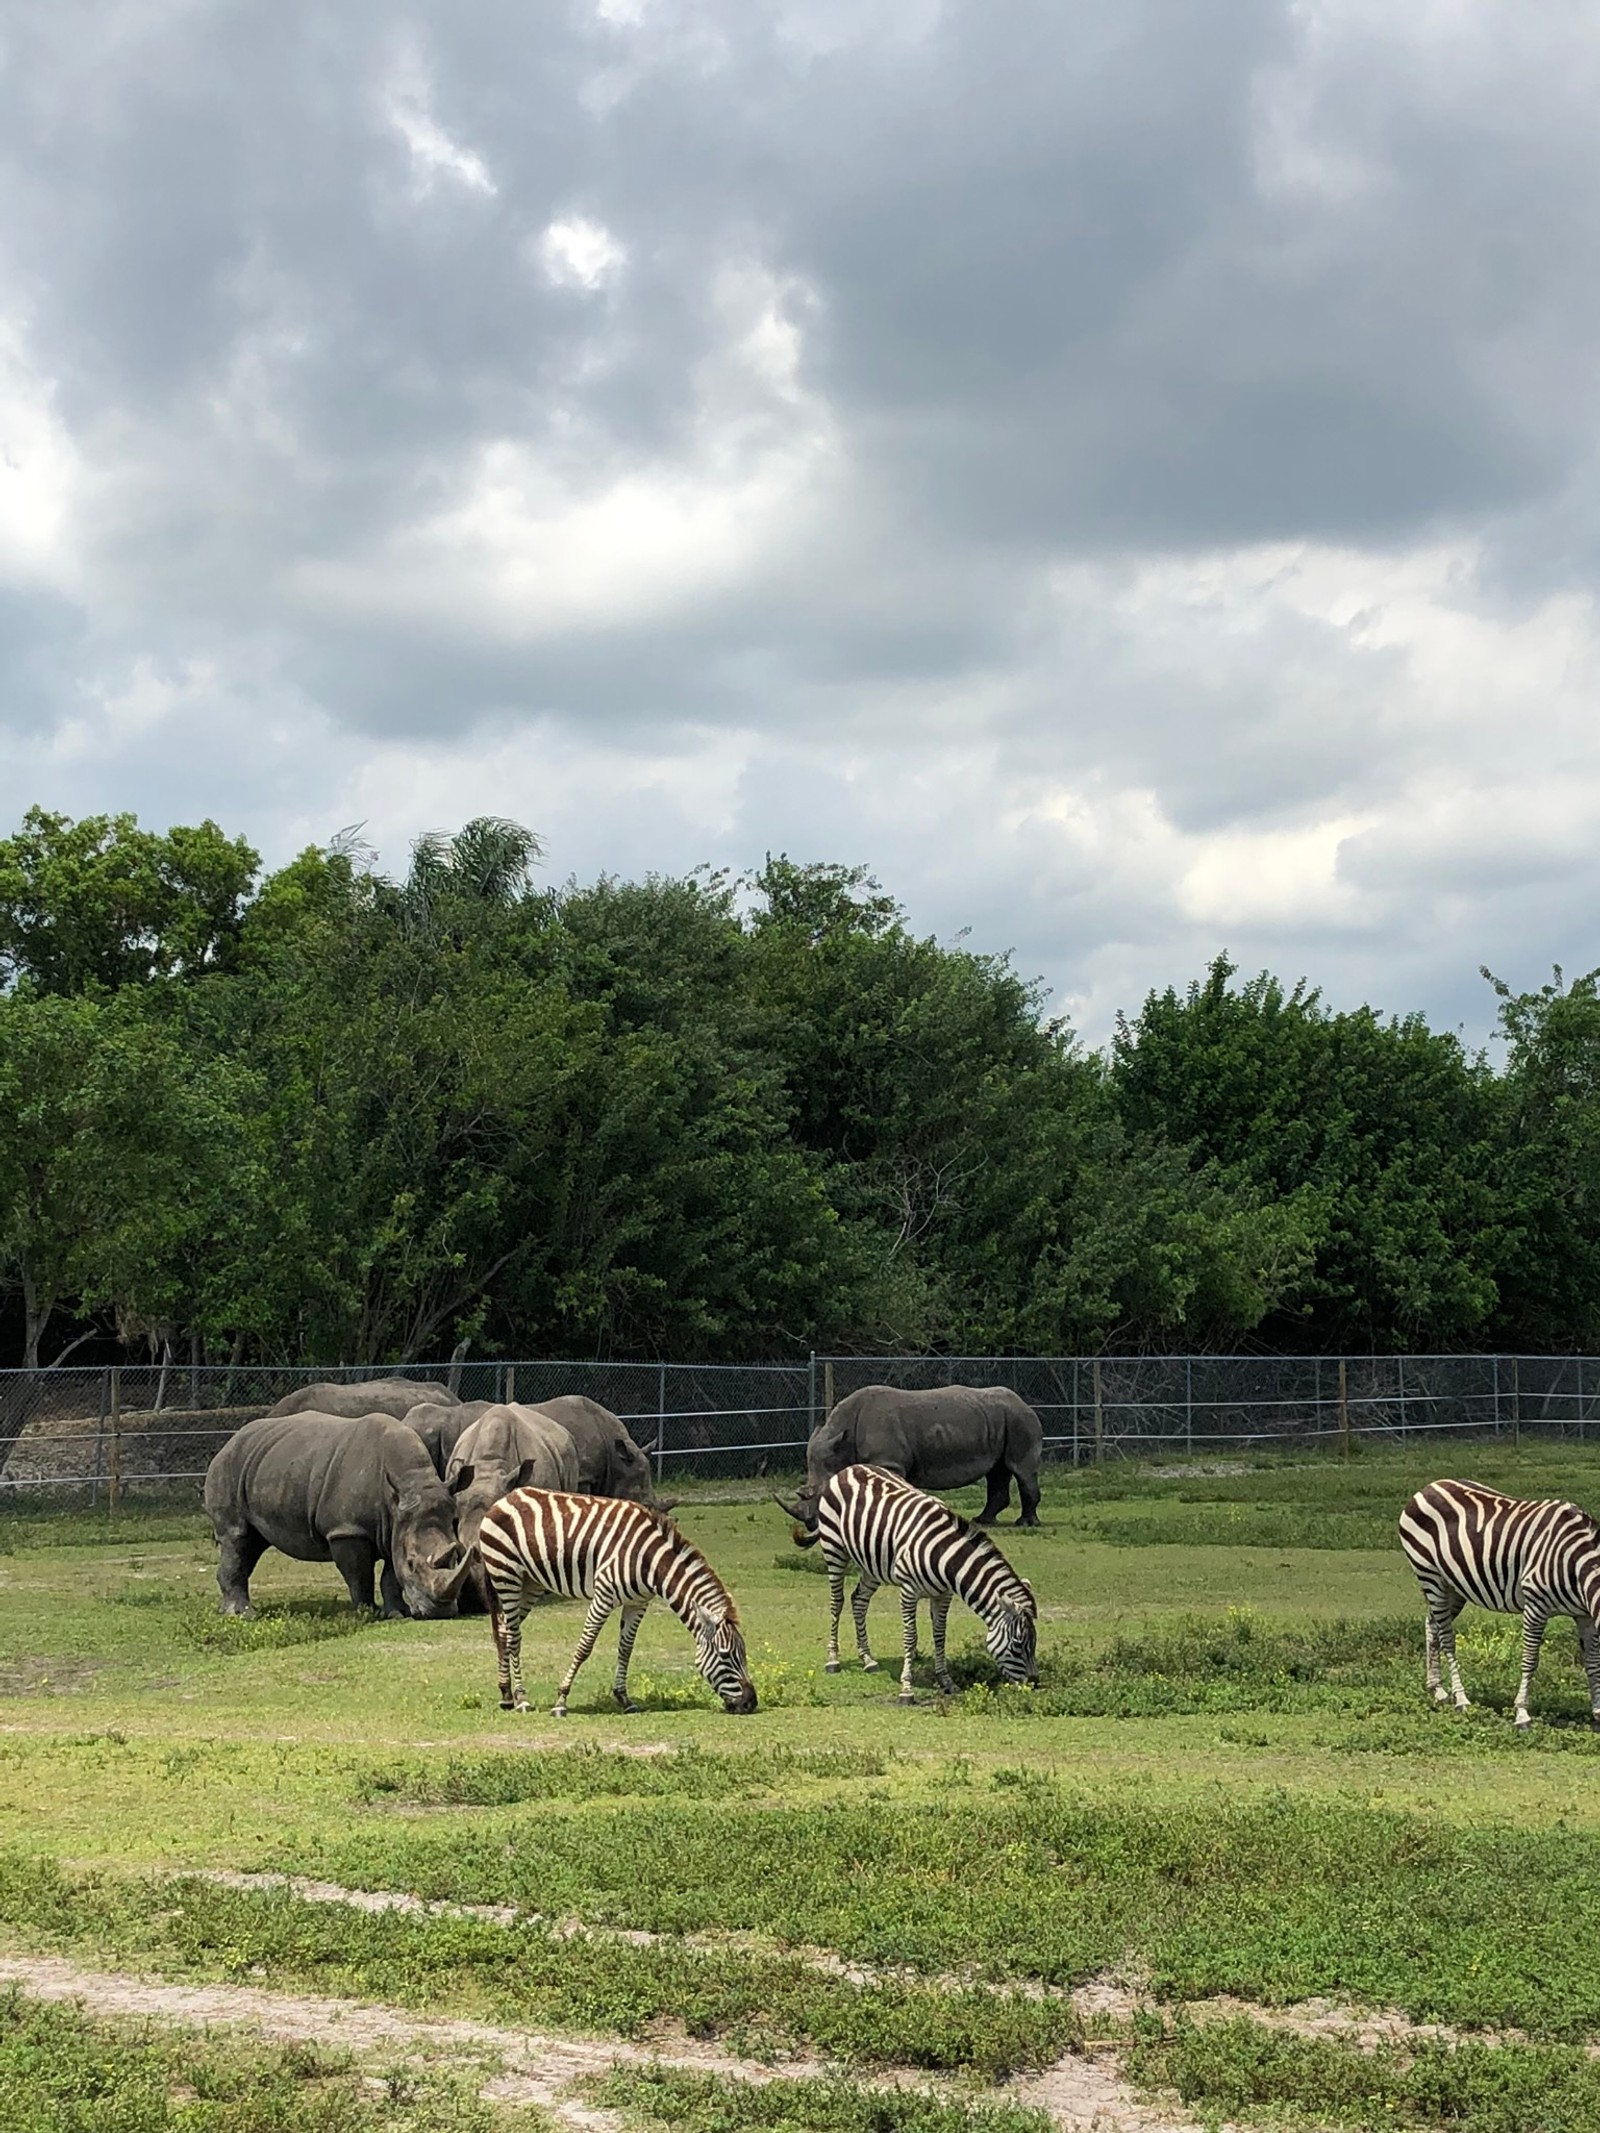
(616, 1554)
(895, 1535)
(1509, 1554)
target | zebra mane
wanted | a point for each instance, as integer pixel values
(670, 1530)
(972, 1531)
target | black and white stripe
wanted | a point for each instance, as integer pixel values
(616, 1554)
(1516, 1556)
(895, 1535)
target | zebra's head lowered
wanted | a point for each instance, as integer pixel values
(720, 1656)
(1012, 1635)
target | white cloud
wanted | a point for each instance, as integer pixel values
(576, 253)
(434, 155)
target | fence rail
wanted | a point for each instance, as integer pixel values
(95, 1434)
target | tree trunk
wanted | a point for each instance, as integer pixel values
(36, 1312)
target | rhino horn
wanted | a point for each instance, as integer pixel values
(791, 1510)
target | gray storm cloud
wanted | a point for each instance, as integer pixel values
(1126, 472)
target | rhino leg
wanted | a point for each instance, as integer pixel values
(999, 1493)
(237, 1555)
(1028, 1495)
(392, 1598)
(354, 1557)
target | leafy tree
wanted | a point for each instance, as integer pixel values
(1549, 1171)
(102, 902)
(1380, 1133)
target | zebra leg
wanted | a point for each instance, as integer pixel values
(507, 1607)
(628, 1629)
(1442, 1639)
(1534, 1621)
(1589, 1643)
(860, 1601)
(1435, 1679)
(908, 1623)
(836, 1603)
(599, 1610)
(497, 1628)
(939, 1609)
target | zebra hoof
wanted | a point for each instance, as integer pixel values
(869, 1666)
(907, 1696)
(1524, 1723)
(626, 1703)
(1441, 1695)
(508, 1703)
(557, 1710)
(833, 1667)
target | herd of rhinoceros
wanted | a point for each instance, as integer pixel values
(398, 1473)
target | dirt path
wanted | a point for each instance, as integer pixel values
(1084, 2095)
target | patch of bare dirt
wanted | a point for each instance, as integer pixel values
(44, 1676)
(1082, 2095)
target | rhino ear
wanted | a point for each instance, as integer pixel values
(648, 1446)
(460, 1479)
(525, 1473)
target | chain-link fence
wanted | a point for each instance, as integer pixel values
(99, 1434)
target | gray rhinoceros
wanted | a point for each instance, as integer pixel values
(939, 1439)
(352, 1490)
(609, 1462)
(508, 1447)
(369, 1396)
(440, 1428)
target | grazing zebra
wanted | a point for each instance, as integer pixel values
(895, 1535)
(1507, 1553)
(618, 1554)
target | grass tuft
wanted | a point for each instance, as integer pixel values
(63, 2073)
(1242, 2069)
(588, 1773)
(710, 2103)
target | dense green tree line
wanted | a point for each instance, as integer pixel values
(323, 1115)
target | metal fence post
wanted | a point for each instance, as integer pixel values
(1188, 1405)
(100, 1435)
(1497, 1396)
(661, 1420)
(114, 1493)
(811, 1393)
(1516, 1403)
(1077, 1406)
(1344, 1408)
(511, 1383)
(1099, 1422)
(827, 1388)
(1400, 1384)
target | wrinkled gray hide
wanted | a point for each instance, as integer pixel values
(440, 1428)
(375, 1396)
(940, 1439)
(609, 1462)
(509, 1447)
(352, 1490)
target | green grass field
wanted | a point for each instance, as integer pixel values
(1228, 1781)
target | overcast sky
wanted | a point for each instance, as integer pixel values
(1127, 472)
